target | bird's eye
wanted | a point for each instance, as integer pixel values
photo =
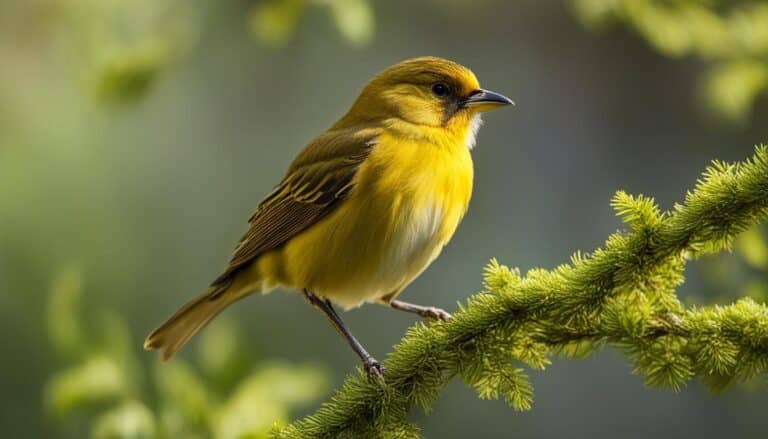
(440, 89)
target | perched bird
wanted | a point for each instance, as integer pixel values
(364, 208)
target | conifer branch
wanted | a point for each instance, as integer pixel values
(622, 295)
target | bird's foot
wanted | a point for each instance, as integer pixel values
(373, 369)
(429, 312)
(434, 313)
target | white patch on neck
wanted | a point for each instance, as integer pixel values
(474, 127)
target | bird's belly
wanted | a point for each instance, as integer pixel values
(368, 248)
(414, 242)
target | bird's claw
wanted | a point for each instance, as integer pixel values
(435, 313)
(373, 369)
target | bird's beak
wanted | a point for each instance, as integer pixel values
(486, 100)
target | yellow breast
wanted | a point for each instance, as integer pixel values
(408, 199)
(423, 188)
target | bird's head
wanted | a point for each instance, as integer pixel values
(421, 94)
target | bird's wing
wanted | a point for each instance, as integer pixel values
(320, 177)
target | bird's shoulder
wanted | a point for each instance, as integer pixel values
(335, 144)
(324, 167)
(317, 179)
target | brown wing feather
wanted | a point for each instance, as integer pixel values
(316, 181)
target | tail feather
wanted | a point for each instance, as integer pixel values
(187, 321)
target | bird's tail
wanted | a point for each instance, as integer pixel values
(189, 319)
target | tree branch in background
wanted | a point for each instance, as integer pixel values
(727, 37)
(622, 294)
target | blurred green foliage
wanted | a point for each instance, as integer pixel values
(744, 274)
(104, 386)
(731, 37)
(67, 195)
(125, 46)
(117, 50)
(274, 22)
(752, 248)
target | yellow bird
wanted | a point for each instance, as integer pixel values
(364, 208)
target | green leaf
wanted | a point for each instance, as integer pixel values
(273, 22)
(661, 25)
(751, 246)
(129, 72)
(354, 19)
(94, 382)
(596, 13)
(63, 314)
(221, 354)
(730, 89)
(130, 420)
(265, 397)
(122, 48)
(182, 389)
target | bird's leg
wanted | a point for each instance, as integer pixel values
(372, 367)
(429, 312)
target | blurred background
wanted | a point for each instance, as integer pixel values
(136, 137)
